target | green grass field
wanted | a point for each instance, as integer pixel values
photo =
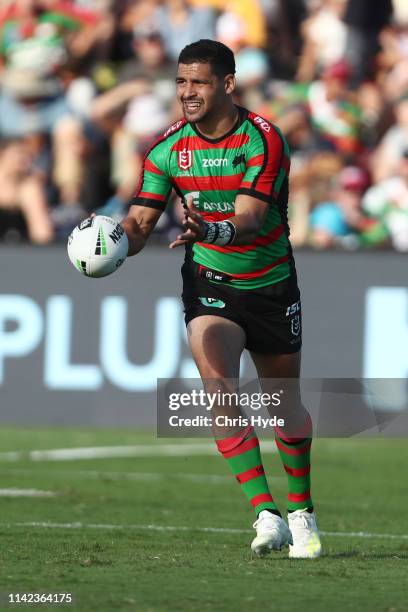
(129, 533)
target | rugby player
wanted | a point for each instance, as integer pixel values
(230, 168)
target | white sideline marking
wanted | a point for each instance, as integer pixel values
(26, 493)
(109, 452)
(365, 534)
(341, 534)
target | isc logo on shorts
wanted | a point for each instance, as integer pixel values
(215, 163)
(293, 308)
(295, 321)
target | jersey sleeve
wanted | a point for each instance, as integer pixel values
(154, 186)
(267, 163)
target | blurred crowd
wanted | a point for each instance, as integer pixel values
(86, 86)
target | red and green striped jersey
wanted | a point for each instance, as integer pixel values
(252, 159)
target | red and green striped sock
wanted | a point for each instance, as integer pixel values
(243, 456)
(295, 456)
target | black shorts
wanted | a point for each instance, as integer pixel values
(270, 316)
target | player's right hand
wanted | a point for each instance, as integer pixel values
(193, 224)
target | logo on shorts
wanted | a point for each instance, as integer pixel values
(293, 309)
(213, 302)
(295, 325)
(185, 159)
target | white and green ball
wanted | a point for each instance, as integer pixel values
(98, 246)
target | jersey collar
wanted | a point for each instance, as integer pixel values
(242, 115)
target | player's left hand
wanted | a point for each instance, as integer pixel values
(193, 224)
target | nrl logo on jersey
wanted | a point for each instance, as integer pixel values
(185, 159)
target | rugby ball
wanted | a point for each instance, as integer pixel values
(98, 246)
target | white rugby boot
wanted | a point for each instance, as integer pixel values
(272, 533)
(306, 540)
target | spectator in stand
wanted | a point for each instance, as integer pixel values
(324, 39)
(36, 39)
(387, 203)
(371, 103)
(311, 183)
(252, 66)
(365, 20)
(393, 58)
(23, 204)
(387, 157)
(150, 64)
(131, 15)
(179, 23)
(284, 21)
(328, 106)
(394, 44)
(334, 115)
(339, 221)
(249, 11)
